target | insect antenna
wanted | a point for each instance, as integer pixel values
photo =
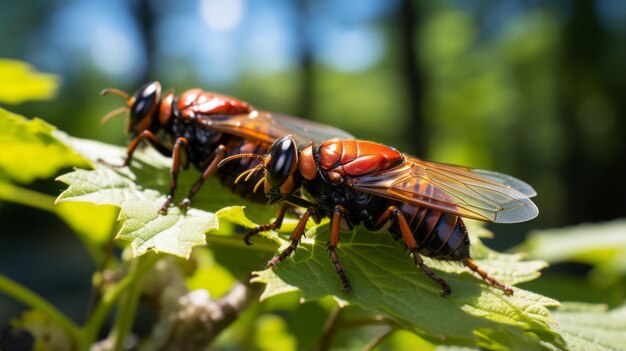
(115, 92)
(112, 114)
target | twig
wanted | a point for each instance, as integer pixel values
(194, 320)
(376, 320)
(377, 341)
(328, 332)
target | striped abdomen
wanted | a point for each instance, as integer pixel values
(439, 235)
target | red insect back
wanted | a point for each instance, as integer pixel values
(356, 158)
(197, 102)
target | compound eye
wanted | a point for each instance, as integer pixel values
(146, 99)
(283, 158)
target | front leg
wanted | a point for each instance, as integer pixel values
(263, 228)
(179, 145)
(215, 158)
(295, 237)
(291, 202)
(146, 134)
(335, 222)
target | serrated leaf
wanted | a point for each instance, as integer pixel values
(150, 170)
(139, 190)
(20, 82)
(147, 230)
(386, 282)
(591, 327)
(93, 225)
(30, 150)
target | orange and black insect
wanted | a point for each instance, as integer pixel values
(423, 203)
(207, 127)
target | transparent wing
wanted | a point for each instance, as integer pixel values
(267, 127)
(472, 193)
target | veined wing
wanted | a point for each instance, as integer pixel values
(466, 192)
(267, 127)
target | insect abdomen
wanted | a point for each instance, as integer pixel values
(439, 235)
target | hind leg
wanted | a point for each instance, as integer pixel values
(469, 263)
(393, 213)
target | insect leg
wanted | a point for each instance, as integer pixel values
(473, 266)
(178, 145)
(332, 246)
(297, 202)
(262, 228)
(215, 158)
(295, 237)
(394, 213)
(146, 134)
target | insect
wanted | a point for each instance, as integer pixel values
(421, 202)
(202, 128)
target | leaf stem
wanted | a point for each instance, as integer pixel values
(233, 241)
(129, 301)
(27, 197)
(330, 328)
(379, 340)
(111, 296)
(30, 298)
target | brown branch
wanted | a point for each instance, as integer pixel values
(195, 320)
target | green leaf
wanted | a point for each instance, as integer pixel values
(386, 282)
(138, 192)
(602, 245)
(591, 327)
(142, 224)
(587, 243)
(403, 340)
(92, 224)
(272, 334)
(31, 151)
(19, 82)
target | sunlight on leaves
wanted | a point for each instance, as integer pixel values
(573, 244)
(606, 251)
(139, 190)
(142, 224)
(20, 82)
(272, 334)
(30, 151)
(590, 327)
(92, 224)
(385, 281)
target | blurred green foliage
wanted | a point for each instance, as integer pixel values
(19, 82)
(474, 316)
(530, 89)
